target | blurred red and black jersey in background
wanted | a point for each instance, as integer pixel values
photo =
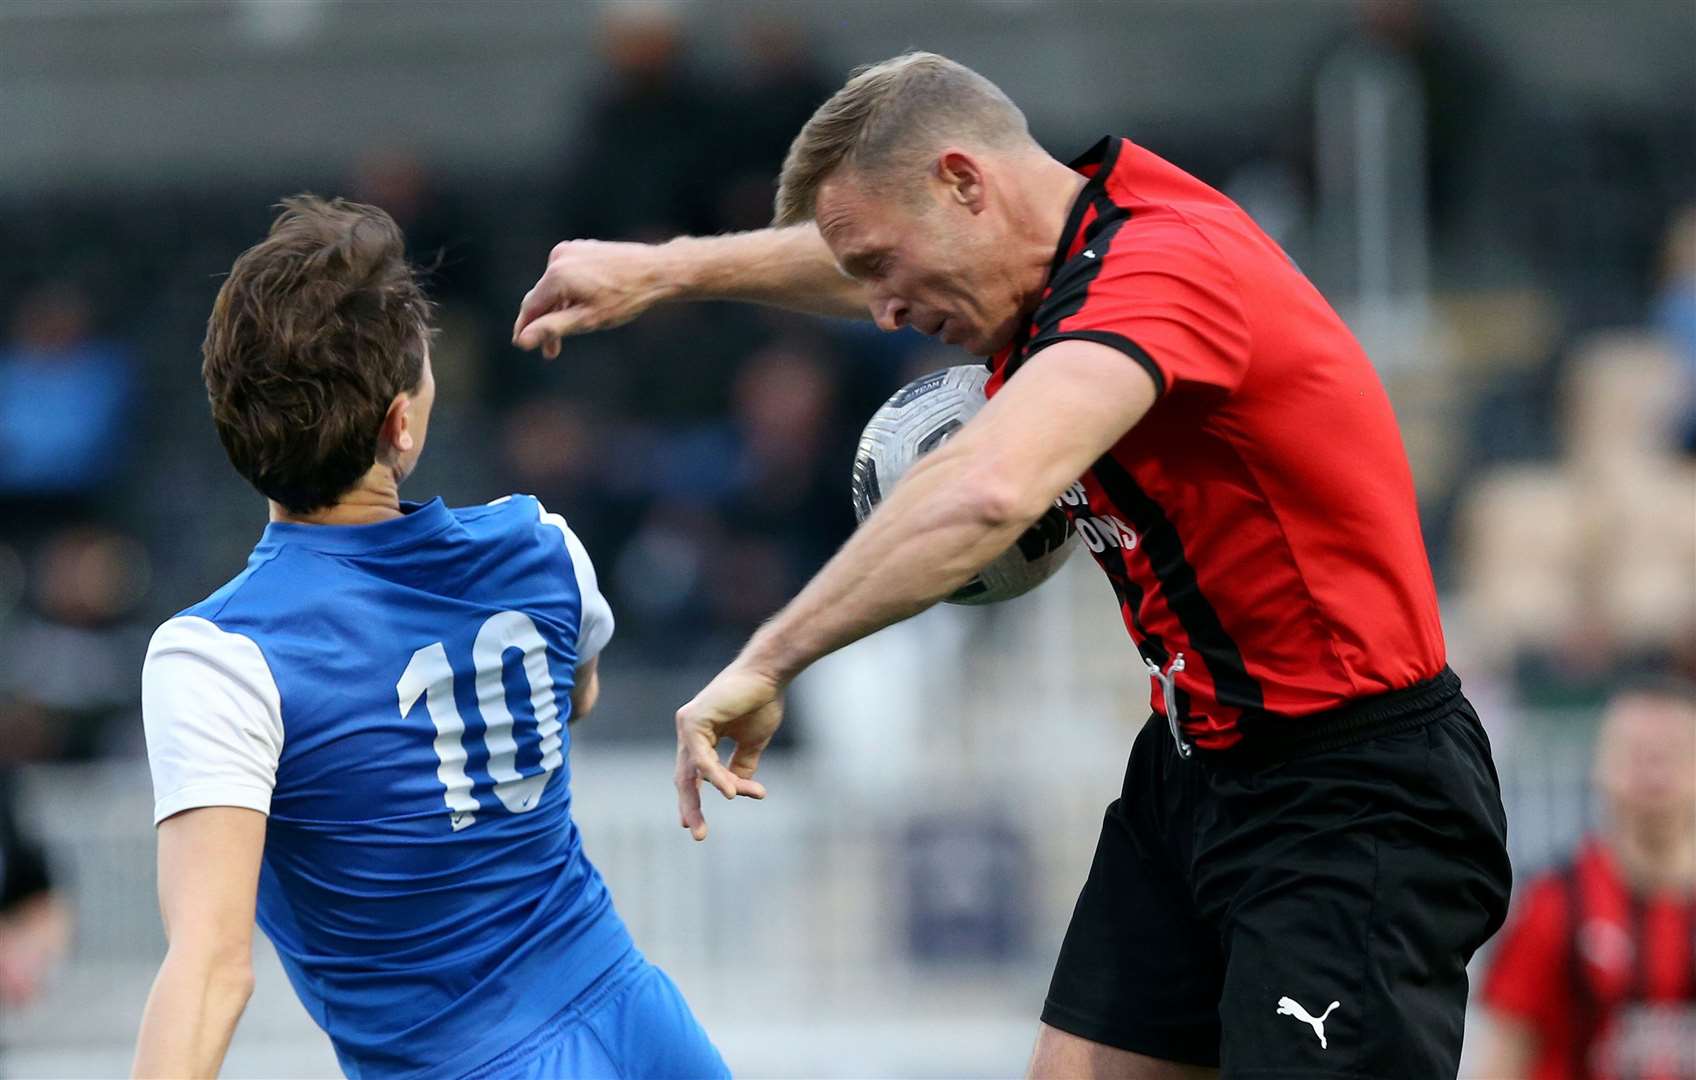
(1261, 519)
(1605, 978)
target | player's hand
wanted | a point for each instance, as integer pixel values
(741, 705)
(32, 943)
(590, 285)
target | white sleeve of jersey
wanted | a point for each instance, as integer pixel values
(213, 717)
(595, 627)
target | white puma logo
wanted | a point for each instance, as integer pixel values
(1292, 1007)
(1088, 254)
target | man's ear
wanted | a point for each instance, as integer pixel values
(397, 423)
(962, 174)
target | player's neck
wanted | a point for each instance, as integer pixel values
(1046, 193)
(1655, 857)
(375, 498)
(1050, 195)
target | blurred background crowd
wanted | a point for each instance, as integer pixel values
(1499, 195)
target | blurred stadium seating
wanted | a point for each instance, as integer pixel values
(1487, 191)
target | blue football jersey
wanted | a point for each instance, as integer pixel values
(396, 696)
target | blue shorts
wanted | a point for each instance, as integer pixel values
(631, 1024)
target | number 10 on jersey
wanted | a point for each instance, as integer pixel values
(429, 676)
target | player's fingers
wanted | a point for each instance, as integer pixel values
(524, 314)
(542, 298)
(549, 327)
(689, 798)
(743, 763)
(712, 770)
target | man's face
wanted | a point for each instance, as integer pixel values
(928, 261)
(1646, 761)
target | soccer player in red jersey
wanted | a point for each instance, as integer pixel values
(1310, 841)
(1595, 976)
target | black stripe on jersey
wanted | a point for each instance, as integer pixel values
(1129, 594)
(1103, 155)
(1111, 340)
(1068, 287)
(1068, 290)
(1164, 549)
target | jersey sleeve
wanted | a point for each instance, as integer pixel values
(1525, 979)
(213, 718)
(596, 623)
(1163, 297)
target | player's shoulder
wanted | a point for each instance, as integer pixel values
(237, 605)
(517, 513)
(1166, 238)
(1136, 262)
(516, 504)
(209, 645)
(231, 617)
(524, 519)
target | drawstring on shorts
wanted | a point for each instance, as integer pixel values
(1169, 692)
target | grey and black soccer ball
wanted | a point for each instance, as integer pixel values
(918, 419)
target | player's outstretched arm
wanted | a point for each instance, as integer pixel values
(208, 885)
(955, 510)
(596, 285)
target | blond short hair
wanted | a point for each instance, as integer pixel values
(892, 115)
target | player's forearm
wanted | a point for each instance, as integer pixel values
(788, 268)
(943, 523)
(191, 1014)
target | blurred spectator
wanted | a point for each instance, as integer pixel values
(785, 476)
(35, 924)
(1595, 975)
(64, 401)
(438, 235)
(1451, 80)
(553, 448)
(778, 84)
(643, 166)
(742, 510)
(1675, 313)
(68, 667)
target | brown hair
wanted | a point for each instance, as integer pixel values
(314, 332)
(888, 116)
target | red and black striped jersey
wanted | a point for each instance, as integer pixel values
(1261, 519)
(1604, 977)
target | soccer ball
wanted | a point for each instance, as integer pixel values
(918, 419)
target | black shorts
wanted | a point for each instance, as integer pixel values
(1306, 911)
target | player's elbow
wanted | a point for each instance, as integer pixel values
(234, 983)
(221, 957)
(586, 691)
(583, 701)
(222, 971)
(997, 500)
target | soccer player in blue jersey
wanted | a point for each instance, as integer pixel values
(361, 739)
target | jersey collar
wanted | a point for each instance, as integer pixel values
(418, 521)
(1096, 164)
